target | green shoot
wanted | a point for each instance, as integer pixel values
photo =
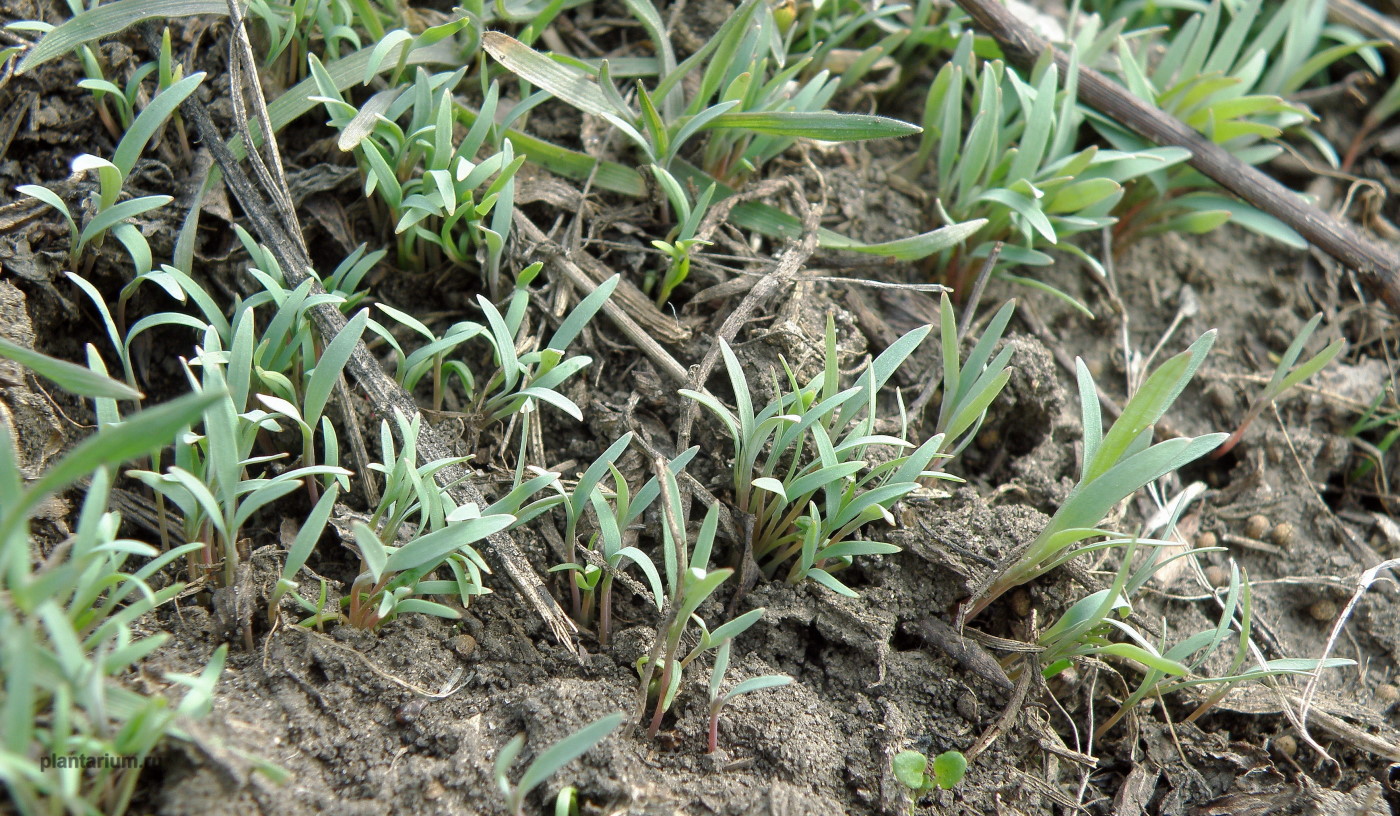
(718, 701)
(1116, 464)
(919, 776)
(549, 762)
(1287, 374)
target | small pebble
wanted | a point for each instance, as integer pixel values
(1387, 694)
(434, 790)
(1207, 540)
(1323, 611)
(967, 707)
(1256, 527)
(1282, 534)
(463, 645)
(1217, 576)
(1286, 745)
(1220, 397)
(1021, 603)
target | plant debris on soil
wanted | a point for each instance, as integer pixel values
(410, 717)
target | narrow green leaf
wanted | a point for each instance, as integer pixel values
(329, 367)
(310, 533)
(69, 376)
(108, 19)
(566, 82)
(563, 752)
(120, 212)
(753, 684)
(134, 437)
(150, 120)
(371, 549)
(828, 126)
(582, 314)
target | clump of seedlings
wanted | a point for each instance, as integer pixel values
(1115, 465)
(616, 516)
(690, 583)
(67, 619)
(800, 468)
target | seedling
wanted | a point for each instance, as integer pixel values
(690, 583)
(1116, 464)
(518, 379)
(441, 200)
(969, 386)
(1287, 374)
(548, 762)
(1088, 626)
(1011, 157)
(298, 553)
(915, 772)
(108, 213)
(752, 114)
(210, 480)
(1233, 88)
(67, 618)
(392, 577)
(678, 250)
(718, 701)
(807, 508)
(615, 515)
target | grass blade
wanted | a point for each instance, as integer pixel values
(329, 367)
(565, 751)
(70, 377)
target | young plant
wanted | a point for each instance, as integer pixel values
(108, 213)
(1230, 81)
(683, 241)
(325, 27)
(442, 200)
(814, 489)
(67, 616)
(549, 761)
(435, 532)
(1286, 375)
(393, 577)
(297, 555)
(1090, 628)
(1007, 150)
(748, 98)
(1115, 465)
(1381, 414)
(969, 386)
(915, 772)
(615, 516)
(690, 583)
(210, 481)
(518, 380)
(718, 701)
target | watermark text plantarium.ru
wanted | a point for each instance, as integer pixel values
(105, 762)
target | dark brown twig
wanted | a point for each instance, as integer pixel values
(1378, 266)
